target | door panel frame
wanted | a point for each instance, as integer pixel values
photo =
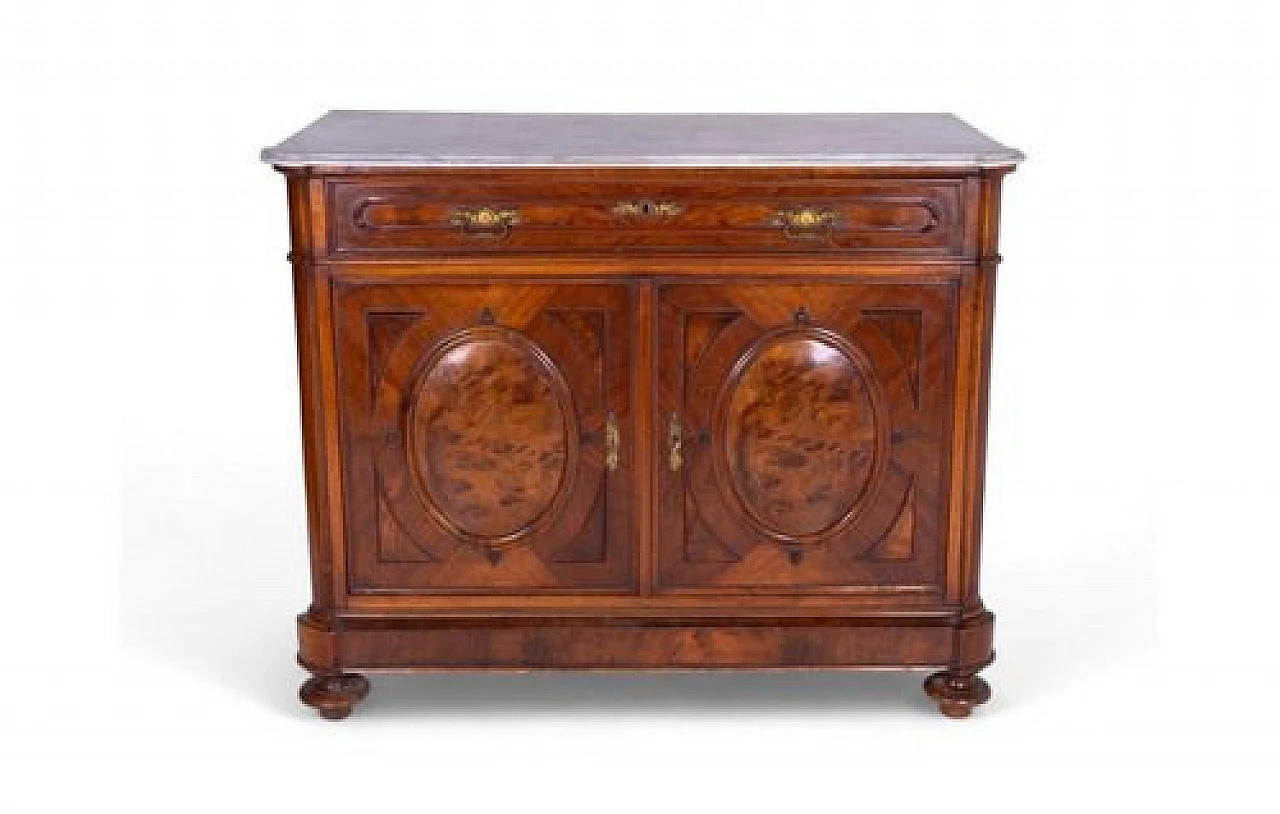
(526, 571)
(669, 492)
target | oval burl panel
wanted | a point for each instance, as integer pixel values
(800, 435)
(489, 435)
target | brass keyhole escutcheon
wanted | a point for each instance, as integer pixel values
(612, 442)
(647, 209)
(675, 444)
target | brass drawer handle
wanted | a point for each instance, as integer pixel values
(675, 439)
(804, 222)
(612, 441)
(485, 221)
(647, 209)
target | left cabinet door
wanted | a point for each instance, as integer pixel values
(487, 436)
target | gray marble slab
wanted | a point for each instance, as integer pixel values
(387, 138)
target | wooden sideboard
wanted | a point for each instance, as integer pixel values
(643, 392)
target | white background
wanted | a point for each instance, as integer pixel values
(153, 550)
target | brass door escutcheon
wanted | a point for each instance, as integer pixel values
(612, 441)
(675, 439)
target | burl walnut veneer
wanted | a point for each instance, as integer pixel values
(643, 392)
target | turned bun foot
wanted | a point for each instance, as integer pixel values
(334, 695)
(957, 693)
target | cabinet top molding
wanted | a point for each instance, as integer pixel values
(385, 138)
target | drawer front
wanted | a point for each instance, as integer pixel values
(440, 217)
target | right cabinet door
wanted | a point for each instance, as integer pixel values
(802, 433)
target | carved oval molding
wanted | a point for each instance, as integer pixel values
(800, 425)
(491, 441)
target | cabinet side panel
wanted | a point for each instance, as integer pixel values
(304, 295)
(983, 315)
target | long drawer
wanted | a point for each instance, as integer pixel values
(442, 215)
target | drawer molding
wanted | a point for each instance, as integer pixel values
(903, 216)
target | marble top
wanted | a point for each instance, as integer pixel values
(385, 138)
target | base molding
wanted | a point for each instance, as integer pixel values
(602, 643)
(334, 647)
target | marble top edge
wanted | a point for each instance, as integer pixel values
(268, 156)
(446, 139)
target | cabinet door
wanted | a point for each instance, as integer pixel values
(487, 436)
(803, 435)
